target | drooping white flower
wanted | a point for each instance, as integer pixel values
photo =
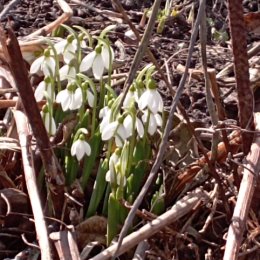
(70, 99)
(155, 121)
(90, 98)
(129, 124)
(113, 175)
(49, 122)
(67, 72)
(98, 60)
(151, 98)
(45, 63)
(68, 48)
(116, 130)
(105, 114)
(131, 97)
(80, 148)
(44, 89)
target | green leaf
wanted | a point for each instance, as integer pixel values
(89, 162)
(99, 188)
(113, 218)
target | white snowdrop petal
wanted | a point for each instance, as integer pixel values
(36, 65)
(72, 72)
(128, 99)
(49, 124)
(73, 149)
(59, 47)
(119, 141)
(53, 127)
(139, 127)
(68, 55)
(105, 56)
(128, 124)
(64, 71)
(109, 131)
(87, 62)
(145, 116)
(76, 99)
(48, 66)
(152, 101)
(158, 119)
(79, 154)
(121, 131)
(98, 67)
(160, 102)
(152, 125)
(143, 100)
(64, 98)
(108, 176)
(87, 149)
(103, 111)
(39, 91)
(90, 98)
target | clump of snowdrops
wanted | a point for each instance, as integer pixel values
(109, 142)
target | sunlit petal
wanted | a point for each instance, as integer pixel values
(76, 99)
(87, 62)
(143, 100)
(98, 67)
(60, 46)
(64, 71)
(152, 126)
(139, 127)
(109, 131)
(87, 148)
(105, 56)
(121, 131)
(39, 91)
(90, 98)
(128, 124)
(158, 119)
(36, 65)
(64, 98)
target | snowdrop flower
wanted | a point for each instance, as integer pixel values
(49, 121)
(130, 97)
(98, 60)
(90, 96)
(80, 148)
(67, 72)
(68, 48)
(113, 175)
(44, 89)
(151, 99)
(70, 98)
(45, 63)
(129, 124)
(155, 121)
(105, 114)
(115, 129)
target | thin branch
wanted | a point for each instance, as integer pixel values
(164, 141)
(31, 184)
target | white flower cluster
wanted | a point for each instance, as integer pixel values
(66, 52)
(150, 105)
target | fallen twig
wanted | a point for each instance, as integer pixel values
(55, 24)
(180, 209)
(53, 172)
(164, 141)
(248, 184)
(31, 184)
